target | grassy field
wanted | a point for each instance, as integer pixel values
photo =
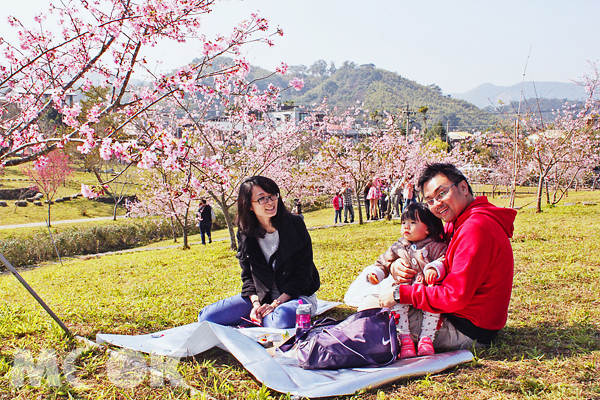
(550, 348)
(80, 208)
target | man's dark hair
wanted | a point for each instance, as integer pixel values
(246, 220)
(446, 169)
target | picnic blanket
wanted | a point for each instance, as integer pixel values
(184, 341)
(279, 372)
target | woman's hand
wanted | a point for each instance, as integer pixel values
(386, 298)
(264, 310)
(402, 272)
(254, 314)
(259, 311)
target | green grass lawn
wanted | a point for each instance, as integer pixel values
(80, 208)
(550, 348)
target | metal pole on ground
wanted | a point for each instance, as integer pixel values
(35, 295)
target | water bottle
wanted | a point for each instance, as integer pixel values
(302, 317)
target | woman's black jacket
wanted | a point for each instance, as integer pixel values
(295, 272)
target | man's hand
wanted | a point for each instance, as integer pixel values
(386, 298)
(402, 272)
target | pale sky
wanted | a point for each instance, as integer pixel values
(457, 45)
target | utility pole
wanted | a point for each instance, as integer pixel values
(408, 112)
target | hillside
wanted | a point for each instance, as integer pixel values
(379, 90)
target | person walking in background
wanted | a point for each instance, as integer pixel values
(384, 199)
(297, 209)
(373, 196)
(348, 208)
(396, 198)
(338, 205)
(408, 190)
(367, 202)
(205, 215)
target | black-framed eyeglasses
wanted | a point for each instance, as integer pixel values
(265, 199)
(440, 196)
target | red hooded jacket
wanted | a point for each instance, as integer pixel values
(480, 265)
(338, 203)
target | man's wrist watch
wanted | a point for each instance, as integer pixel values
(397, 294)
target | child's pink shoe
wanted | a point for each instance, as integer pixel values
(425, 347)
(407, 347)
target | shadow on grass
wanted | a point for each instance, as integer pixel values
(536, 342)
(544, 341)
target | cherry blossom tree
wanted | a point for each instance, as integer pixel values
(555, 154)
(344, 160)
(169, 195)
(49, 172)
(388, 153)
(561, 151)
(247, 146)
(107, 37)
(213, 156)
(42, 71)
(294, 178)
(118, 189)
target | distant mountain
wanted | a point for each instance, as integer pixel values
(534, 107)
(489, 95)
(379, 90)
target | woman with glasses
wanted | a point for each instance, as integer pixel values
(275, 254)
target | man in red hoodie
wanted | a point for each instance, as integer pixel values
(474, 295)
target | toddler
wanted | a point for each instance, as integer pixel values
(422, 246)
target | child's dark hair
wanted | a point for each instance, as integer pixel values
(420, 212)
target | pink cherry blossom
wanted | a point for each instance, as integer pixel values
(297, 83)
(87, 192)
(282, 69)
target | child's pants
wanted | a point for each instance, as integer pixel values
(338, 215)
(428, 325)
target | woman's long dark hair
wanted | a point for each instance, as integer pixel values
(246, 220)
(420, 212)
